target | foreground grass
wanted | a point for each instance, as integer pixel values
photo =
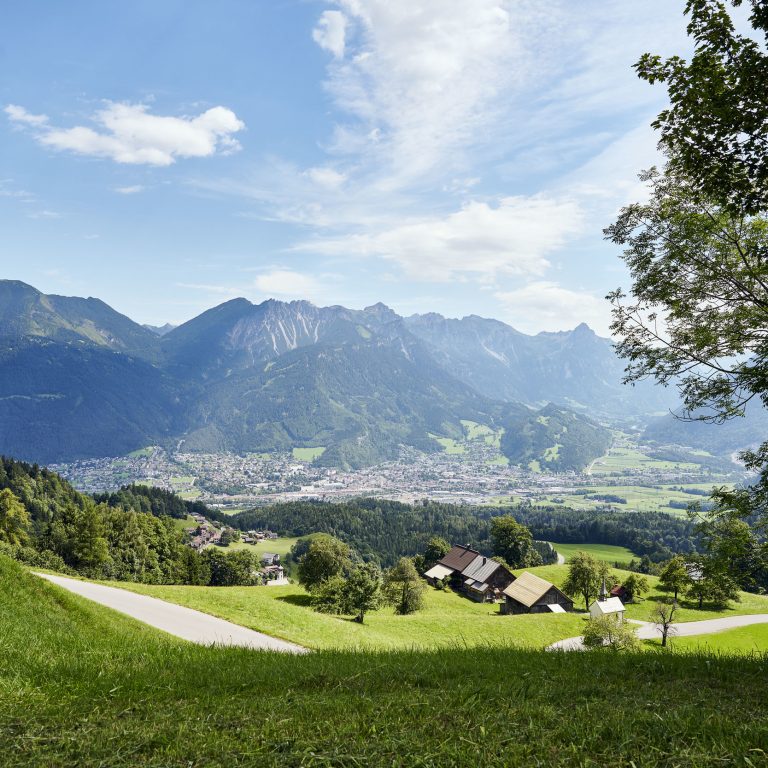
(742, 640)
(448, 620)
(81, 686)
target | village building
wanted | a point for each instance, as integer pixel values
(607, 606)
(437, 573)
(459, 558)
(622, 593)
(485, 579)
(529, 593)
(610, 606)
(269, 558)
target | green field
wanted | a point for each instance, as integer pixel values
(308, 454)
(187, 522)
(638, 497)
(621, 458)
(277, 546)
(450, 446)
(142, 453)
(447, 620)
(83, 686)
(607, 552)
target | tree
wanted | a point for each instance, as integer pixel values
(636, 585)
(712, 586)
(513, 542)
(90, 548)
(607, 632)
(437, 548)
(403, 588)
(696, 250)
(231, 569)
(714, 128)
(325, 557)
(585, 576)
(674, 576)
(663, 615)
(362, 590)
(14, 519)
(328, 595)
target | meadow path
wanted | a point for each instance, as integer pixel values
(649, 631)
(185, 623)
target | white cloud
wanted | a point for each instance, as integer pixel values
(421, 78)
(286, 282)
(326, 177)
(547, 306)
(330, 32)
(134, 189)
(18, 114)
(127, 133)
(479, 241)
(44, 215)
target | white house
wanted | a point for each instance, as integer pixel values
(610, 606)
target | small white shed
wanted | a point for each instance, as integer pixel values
(611, 606)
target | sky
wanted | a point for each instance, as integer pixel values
(451, 156)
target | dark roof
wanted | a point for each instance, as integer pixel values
(459, 558)
(618, 591)
(481, 569)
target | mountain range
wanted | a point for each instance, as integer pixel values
(79, 380)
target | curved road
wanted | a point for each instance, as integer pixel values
(188, 624)
(649, 631)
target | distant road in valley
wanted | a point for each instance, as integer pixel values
(182, 622)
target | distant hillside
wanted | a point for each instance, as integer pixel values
(554, 439)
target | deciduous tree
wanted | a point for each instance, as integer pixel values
(513, 542)
(403, 588)
(14, 519)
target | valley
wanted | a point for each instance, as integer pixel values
(469, 471)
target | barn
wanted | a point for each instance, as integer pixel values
(529, 593)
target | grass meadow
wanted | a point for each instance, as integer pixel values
(82, 686)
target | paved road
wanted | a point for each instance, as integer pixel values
(185, 623)
(649, 631)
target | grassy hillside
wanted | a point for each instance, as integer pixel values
(447, 620)
(607, 552)
(84, 687)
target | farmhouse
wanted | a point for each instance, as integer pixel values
(622, 593)
(529, 593)
(478, 577)
(485, 579)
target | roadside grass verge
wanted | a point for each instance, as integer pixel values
(82, 686)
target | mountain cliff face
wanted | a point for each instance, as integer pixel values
(88, 381)
(575, 368)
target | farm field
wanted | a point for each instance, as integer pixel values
(84, 686)
(606, 552)
(308, 454)
(622, 458)
(450, 446)
(638, 497)
(277, 546)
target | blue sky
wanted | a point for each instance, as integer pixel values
(436, 155)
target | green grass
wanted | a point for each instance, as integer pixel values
(308, 454)
(187, 522)
(450, 446)
(82, 686)
(277, 546)
(752, 639)
(447, 620)
(623, 458)
(141, 453)
(607, 552)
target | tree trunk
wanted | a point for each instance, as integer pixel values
(663, 636)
